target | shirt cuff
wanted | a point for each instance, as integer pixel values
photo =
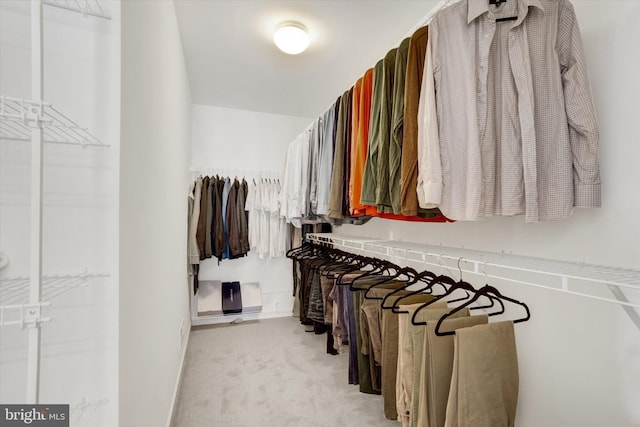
(432, 194)
(587, 196)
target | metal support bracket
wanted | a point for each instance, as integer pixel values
(29, 315)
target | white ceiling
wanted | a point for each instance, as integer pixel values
(232, 61)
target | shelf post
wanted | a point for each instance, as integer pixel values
(33, 358)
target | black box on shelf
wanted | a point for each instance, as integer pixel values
(231, 298)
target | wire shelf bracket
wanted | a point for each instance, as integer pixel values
(19, 116)
(14, 291)
(85, 7)
(25, 315)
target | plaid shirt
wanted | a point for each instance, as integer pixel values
(507, 124)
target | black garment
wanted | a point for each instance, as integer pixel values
(233, 223)
(214, 206)
(244, 216)
(202, 219)
(220, 243)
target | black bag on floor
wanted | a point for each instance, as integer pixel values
(231, 298)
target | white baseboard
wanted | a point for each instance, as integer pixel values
(176, 389)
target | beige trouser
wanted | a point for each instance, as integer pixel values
(371, 329)
(390, 333)
(484, 382)
(409, 352)
(437, 364)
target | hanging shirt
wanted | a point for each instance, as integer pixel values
(195, 192)
(397, 120)
(338, 177)
(507, 123)
(225, 199)
(413, 82)
(317, 129)
(294, 197)
(250, 208)
(360, 145)
(325, 164)
(370, 175)
(383, 200)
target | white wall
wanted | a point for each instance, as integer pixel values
(237, 139)
(156, 124)
(80, 206)
(579, 359)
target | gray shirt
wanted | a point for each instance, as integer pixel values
(325, 161)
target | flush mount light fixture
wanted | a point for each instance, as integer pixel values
(291, 37)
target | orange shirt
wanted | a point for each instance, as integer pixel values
(355, 117)
(359, 140)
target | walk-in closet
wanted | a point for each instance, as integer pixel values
(317, 213)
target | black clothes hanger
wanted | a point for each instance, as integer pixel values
(291, 252)
(364, 262)
(442, 280)
(344, 264)
(387, 271)
(424, 276)
(508, 18)
(409, 272)
(454, 286)
(380, 268)
(484, 291)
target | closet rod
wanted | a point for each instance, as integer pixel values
(617, 278)
(251, 173)
(427, 18)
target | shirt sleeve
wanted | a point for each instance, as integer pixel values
(429, 162)
(580, 110)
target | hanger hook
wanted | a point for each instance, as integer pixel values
(484, 271)
(460, 267)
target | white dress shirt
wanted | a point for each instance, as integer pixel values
(507, 125)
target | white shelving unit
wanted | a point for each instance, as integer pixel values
(37, 121)
(570, 277)
(19, 116)
(85, 7)
(15, 308)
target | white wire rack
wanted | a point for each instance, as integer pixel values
(502, 266)
(19, 116)
(82, 414)
(15, 308)
(15, 290)
(85, 7)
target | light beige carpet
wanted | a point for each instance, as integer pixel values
(269, 373)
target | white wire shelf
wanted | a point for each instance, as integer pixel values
(82, 414)
(501, 266)
(84, 7)
(14, 291)
(18, 116)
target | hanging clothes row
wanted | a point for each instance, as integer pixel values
(469, 117)
(218, 223)
(268, 231)
(434, 363)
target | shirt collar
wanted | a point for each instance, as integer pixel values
(476, 8)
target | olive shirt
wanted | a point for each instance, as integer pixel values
(383, 200)
(397, 120)
(370, 176)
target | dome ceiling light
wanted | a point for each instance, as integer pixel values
(291, 37)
